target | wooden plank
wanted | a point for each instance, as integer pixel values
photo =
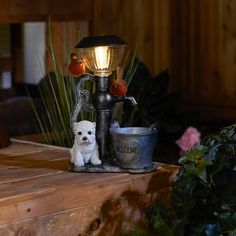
(64, 37)
(115, 215)
(72, 189)
(19, 148)
(16, 11)
(48, 159)
(38, 196)
(203, 56)
(143, 24)
(194, 39)
(9, 174)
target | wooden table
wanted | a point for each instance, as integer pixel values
(38, 196)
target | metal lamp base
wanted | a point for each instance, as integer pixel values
(108, 168)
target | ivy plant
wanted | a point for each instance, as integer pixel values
(204, 191)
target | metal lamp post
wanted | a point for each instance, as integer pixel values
(133, 146)
(102, 55)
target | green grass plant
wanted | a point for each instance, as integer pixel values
(57, 94)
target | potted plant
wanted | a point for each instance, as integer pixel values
(204, 192)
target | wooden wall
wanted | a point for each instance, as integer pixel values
(144, 24)
(64, 36)
(65, 17)
(194, 39)
(203, 55)
(16, 11)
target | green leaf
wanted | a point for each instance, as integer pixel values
(194, 154)
(161, 228)
(203, 196)
(199, 172)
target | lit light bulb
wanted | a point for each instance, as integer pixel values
(102, 57)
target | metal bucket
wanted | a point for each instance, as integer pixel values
(134, 146)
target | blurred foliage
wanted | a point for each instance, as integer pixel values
(57, 95)
(203, 197)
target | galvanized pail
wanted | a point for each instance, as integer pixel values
(134, 146)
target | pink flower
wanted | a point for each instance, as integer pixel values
(190, 137)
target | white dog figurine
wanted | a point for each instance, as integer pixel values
(85, 148)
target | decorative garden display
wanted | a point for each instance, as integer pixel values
(102, 55)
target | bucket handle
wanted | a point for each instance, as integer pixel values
(154, 126)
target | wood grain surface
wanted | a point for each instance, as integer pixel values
(39, 196)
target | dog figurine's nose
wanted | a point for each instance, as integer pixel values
(85, 138)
